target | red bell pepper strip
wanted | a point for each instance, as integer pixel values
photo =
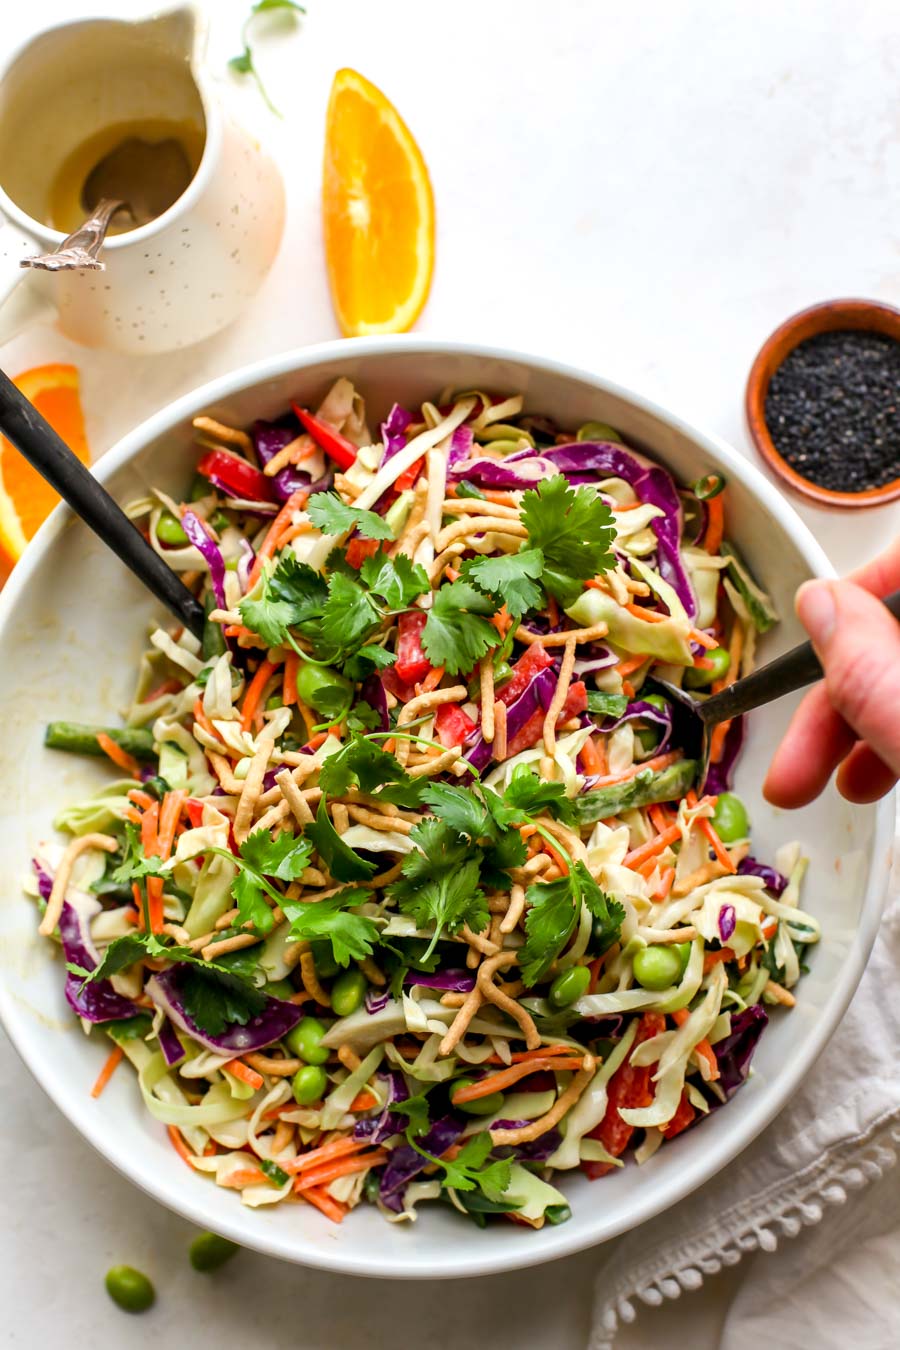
(194, 812)
(452, 725)
(684, 1116)
(630, 1086)
(412, 665)
(529, 664)
(235, 476)
(336, 446)
(532, 730)
(409, 476)
(360, 549)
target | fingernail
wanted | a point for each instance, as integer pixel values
(816, 610)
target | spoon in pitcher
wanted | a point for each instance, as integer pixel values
(693, 718)
(81, 248)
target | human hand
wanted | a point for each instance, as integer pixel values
(852, 718)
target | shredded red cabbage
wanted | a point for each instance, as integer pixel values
(268, 439)
(393, 432)
(373, 693)
(173, 1051)
(193, 528)
(501, 474)
(535, 1150)
(734, 1052)
(776, 881)
(461, 443)
(378, 1128)
(405, 1163)
(376, 1000)
(450, 981)
(275, 1021)
(538, 694)
(643, 712)
(727, 922)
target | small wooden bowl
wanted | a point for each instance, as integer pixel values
(868, 315)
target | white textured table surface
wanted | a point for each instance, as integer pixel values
(643, 190)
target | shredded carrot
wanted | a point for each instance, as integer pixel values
(501, 498)
(595, 968)
(112, 1063)
(553, 612)
(244, 1176)
(628, 689)
(280, 525)
(179, 1145)
(648, 615)
(717, 740)
(140, 798)
(294, 532)
(711, 959)
(363, 1101)
(715, 523)
(244, 1073)
(169, 814)
(329, 1207)
(666, 878)
(591, 758)
(341, 1167)
(431, 680)
(237, 630)
(132, 814)
(254, 693)
(289, 695)
(502, 621)
(631, 664)
(718, 848)
(526, 1056)
(316, 741)
(118, 755)
(702, 1048)
(451, 574)
(703, 639)
(769, 929)
(452, 1152)
(657, 763)
(594, 584)
(169, 686)
(703, 663)
(660, 817)
(652, 847)
(336, 1149)
(201, 718)
(499, 1082)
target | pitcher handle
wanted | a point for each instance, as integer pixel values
(22, 299)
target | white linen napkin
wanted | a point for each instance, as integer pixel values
(820, 1154)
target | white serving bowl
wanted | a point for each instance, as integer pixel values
(72, 624)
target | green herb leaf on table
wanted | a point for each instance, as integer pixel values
(574, 529)
(243, 63)
(332, 516)
(456, 635)
(352, 936)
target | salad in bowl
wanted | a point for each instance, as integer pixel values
(403, 890)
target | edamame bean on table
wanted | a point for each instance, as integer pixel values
(130, 1289)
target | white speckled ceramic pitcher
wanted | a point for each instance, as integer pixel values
(185, 274)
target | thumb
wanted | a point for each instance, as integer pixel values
(858, 642)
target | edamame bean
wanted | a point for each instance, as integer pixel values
(569, 985)
(322, 688)
(556, 1214)
(481, 1106)
(657, 967)
(598, 431)
(698, 677)
(208, 1251)
(730, 819)
(130, 1289)
(684, 955)
(169, 531)
(305, 1041)
(309, 1084)
(348, 993)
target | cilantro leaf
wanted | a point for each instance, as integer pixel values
(362, 717)
(338, 857)
(285, 857)
(349, 617)
(135, 1028)
(352, 936)
(439, 886)
(361, 665)
(608, 705)
(251, 902)
(526, 795)
(397, 581)
(292, 596)
(135, 863)
(121, 953)
(332, 516)
(575, 531)
(510, 577)
(216, 999)
(470, 1170)
(553, 911)
(455, 635)
(363, 764)
(460, 808)
(417, 1109)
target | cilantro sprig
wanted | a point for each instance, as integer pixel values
(333, 516)
(470, 1169)
(553, 910)
(440, 882)
(457, 633)
(574, 530)
(352, 936)
(243, 63)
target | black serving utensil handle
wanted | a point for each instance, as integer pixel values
(33, 437)
(794, 670)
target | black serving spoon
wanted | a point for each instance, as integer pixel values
(694, 718)
(23, 425)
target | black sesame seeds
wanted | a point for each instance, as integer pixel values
(833, 409)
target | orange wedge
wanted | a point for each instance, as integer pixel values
(25, 499)
(377, 210)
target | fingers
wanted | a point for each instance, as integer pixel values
(882, 575)
(816, 741)
(863, 777)
(858, 643)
